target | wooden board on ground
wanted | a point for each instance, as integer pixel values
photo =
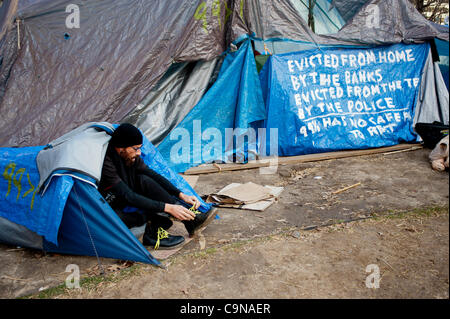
(214, 168)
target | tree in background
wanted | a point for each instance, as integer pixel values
(433, 10)
(311, 23)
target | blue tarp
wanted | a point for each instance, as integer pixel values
(333, 99)
(229, 107)
(19, 198)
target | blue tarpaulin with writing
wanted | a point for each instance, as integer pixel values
(19, 198)
(332, 99)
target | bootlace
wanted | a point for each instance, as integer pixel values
(162, 233)
(192, 209)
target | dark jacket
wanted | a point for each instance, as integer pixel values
(118, 183)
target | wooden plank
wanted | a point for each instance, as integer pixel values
(407, 150)
(214, 168)
(343, 154)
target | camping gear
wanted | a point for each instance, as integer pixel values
(67, 214)
(184, 72)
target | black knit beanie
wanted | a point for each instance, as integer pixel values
(126, 135)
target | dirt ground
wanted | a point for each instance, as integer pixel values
(289, 250)
(411, 254)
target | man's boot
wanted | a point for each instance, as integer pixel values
(200, 222)
(159, 238)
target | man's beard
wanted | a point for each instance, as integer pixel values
(128, 160)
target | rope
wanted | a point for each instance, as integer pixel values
(102, 271)
(192, 209)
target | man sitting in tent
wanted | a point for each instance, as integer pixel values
(126, 181)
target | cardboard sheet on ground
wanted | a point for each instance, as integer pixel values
(248, 196)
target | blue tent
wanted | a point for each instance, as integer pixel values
(70, 216)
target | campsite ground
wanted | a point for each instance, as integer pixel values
(310, 244)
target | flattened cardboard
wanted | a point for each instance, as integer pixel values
(268, 193)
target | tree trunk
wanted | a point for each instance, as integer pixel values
(311, 23)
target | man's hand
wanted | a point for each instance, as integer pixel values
(179, 212)
(190, 200)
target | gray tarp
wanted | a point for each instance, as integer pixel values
(398, 20)
(61, 78)
(171, 99)
(80, 150)
(432, 100)
(389, 21)
(102, 70)
(346, 8)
